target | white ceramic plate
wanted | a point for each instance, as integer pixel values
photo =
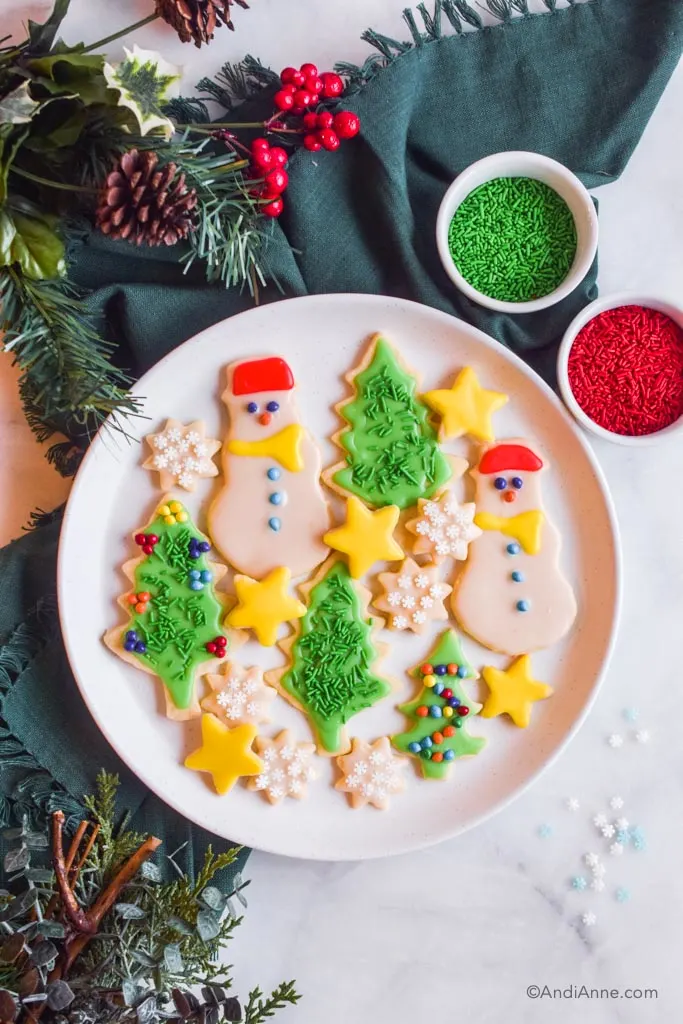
(322, 338)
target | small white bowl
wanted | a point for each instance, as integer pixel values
(577, 325)
(522, 165)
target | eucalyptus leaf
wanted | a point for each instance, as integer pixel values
(178, 925)
(208, 925)
(241, 897)
(129, 991)
(43, 953)
(16, 860)
(213, 898)
(12, 833)
(129, 911)
(19, 905)
(150, 871)
(18, 106)
(146, 1011)
(141, 957)
(51, 929)
(39, 875)
(59, 995)
(173, 959)
(36, 840)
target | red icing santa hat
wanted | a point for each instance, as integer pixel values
(271, 374)
(509, 457)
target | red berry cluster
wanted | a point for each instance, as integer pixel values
(217, 646)
(269, 162)
(304, 88)
(147, 542)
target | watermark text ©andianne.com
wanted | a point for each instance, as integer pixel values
(584, 992)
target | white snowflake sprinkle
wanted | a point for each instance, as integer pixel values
(404, 581)
(608, 831)
(161, 442)
(615, 740)
(426, 602)
(588, 919)
(399, 622)
(183, 445)
(201, 450)
(621, 824)
(394, 599)
(572, 803)
(598, 870)
(186, 479)
(597, 885)
(423, 528)
(160, 461)
(431, 509)
(591, 859)
(616, 803)
(421, 581)
(174, 434)
(419, 618)
(616, 849)
(408, 601)
(600, 820)
(642, 736)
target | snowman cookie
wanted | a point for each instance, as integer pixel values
(271, 511)
(512, 596)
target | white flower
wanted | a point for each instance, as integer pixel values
(572, 803)
(588, 919)
(616, 803)
(615, 741)
(399, 622)
(642, 736)
(616, 849)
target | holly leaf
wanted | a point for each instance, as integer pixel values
(18, 106)
(31, 243)
(41, 37)
(145, 82)
(71, 74)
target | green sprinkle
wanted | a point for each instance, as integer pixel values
(513, 239)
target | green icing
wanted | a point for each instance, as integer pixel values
(178, 622)
(393, 457)
(447, 651)
(330, 674)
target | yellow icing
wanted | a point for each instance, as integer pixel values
(466, 407)
(284, 447)
(225, 753)
(513, 691)
(263, 606)
(366, 537)
(525, 528)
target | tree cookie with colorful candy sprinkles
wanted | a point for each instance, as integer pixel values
(391, 453)
(174, 614)
(512, 595)
(333, 659)
(271, 511)
(439, 715)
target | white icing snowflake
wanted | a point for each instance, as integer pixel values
(597, 884)
(436, 591)
(172, 453)
(160, 441)
(421, 581)
(404, 581)
(160, 461)
(287, 767)
(444, 528)
(418, 591)
(174, 434)
(176, 469)
(395, 599)
(192, 465)
(419, 618)
(616, 803)
(201, 449)
(399, 622)
(193, 437)
(426, 602)
(588, 919)
(183, 445)
(371, 773)
(616, 849)
(408, 601)
(615, 741)
(184, 463)
(186, 480)
(239, 695)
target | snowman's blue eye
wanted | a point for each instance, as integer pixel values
(252, 407)
(500, 483)
(517, 483)
(273, 406)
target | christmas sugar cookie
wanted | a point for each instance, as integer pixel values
(371, 773)
(437, 734)
(264, 605)
(287, 768)
(366, 537)
(513, 692)
(512, 596)
(413, 597)
(466, 407)
(444, 528)
(225, 754)
(391, 454)
(181, 455)
(333, 659)
(271, 511)
(174, 615)
(239, 695)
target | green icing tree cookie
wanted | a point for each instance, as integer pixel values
(330, 676)
(439, 720)
(175, 617)
(392, 454)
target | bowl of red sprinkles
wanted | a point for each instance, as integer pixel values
(620, 369)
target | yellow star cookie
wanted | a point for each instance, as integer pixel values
(465, 408)
(366, 537)
(225, 753)
(513, 691)
(263, 606)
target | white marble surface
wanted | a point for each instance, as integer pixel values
(461, 931)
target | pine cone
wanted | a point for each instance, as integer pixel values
(197, 19)
(146, 205)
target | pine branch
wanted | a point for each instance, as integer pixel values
(235, 83)
(259, 1009)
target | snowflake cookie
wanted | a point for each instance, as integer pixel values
(413, 597)
(239, 695)
(181, 455)
(444, 527)
(287, 767)
(371, 773)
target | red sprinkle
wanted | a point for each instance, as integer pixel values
(626, 370)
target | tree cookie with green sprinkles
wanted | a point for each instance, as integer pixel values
(173, 611)
(513, 239)
(333, 660)
(391, 450)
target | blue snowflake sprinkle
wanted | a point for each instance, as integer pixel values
(638, 838)
(623, 836)
(622, 895)
(630, 714)
(545, 831)
(579, 883)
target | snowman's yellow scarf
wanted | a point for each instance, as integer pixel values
(284, 447)
(525, 528)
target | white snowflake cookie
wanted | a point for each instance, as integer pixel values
(371, 773)
(444, 528)
(239, 695)
(181, 455)
(413, 597)
(287, 768)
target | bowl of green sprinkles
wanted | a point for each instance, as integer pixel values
(517, 232)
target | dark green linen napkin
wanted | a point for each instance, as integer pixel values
(578, 84)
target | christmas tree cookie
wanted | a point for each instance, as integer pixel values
(333, 659)
(391, 452)
(439, 715)
(173, 628)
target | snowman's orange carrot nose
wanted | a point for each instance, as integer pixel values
(265, 418)
(508, 496)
